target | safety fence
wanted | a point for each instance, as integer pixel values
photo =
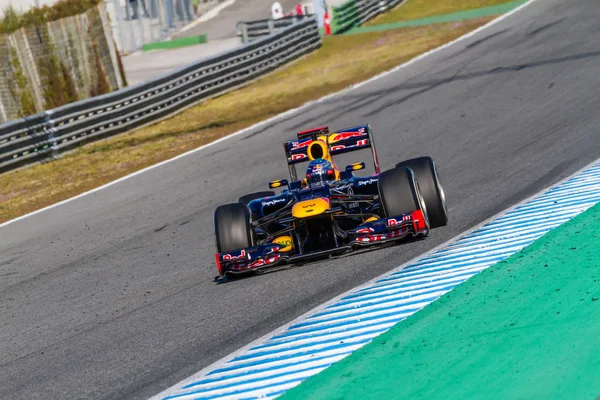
(46, 65)
(249, 31)
(354, 13)
(48, 134)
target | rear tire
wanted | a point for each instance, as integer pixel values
(232, 227)
(398, 192)
(246, 199)
(430, 188)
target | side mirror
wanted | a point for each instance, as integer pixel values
(278, 183)
(355, 167)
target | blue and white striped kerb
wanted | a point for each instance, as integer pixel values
(308, 347)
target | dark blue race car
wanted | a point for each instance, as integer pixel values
(328, 211)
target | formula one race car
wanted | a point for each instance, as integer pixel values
(328, 211)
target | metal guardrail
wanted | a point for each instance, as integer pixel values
(46, 135)
(354, 13)
(249, 31)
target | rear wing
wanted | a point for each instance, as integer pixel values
(339, 142)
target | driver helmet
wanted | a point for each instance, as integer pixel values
(319, 171)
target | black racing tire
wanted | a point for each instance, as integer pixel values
(247, 198)
(431, 189)
(398, 192)
(233, 230)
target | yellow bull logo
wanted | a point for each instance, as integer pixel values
(310, 208)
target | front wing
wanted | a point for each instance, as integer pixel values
(368, 234)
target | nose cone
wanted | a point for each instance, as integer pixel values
(310, 208)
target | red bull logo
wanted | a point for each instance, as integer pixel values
(393, 221)
(300, 144)
(347, 135)
(318, 169)
(231, 257)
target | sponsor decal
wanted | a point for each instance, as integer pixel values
(346, 186)
(272, 202)
(286, 242)
(262, 262)
(367, 182)
(300, 144)
(296, 157)
(365, 230)
(377, 237)
(273, 258)
(347, 135)
(380, 237)
(393, 221)
(231, 257)
(359, 143)
(399, 225)
(256, 263)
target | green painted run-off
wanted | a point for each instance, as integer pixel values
(175, 43)
(526, 328)
(453, 17)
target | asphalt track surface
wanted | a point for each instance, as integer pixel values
(111, 295)
(223, 25)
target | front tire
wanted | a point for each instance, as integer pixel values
(430, 188)
(398, 192)
(233, 230)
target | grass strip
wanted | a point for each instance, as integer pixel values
(436, 19)
(418, 9)
(325, 71)
(175, 43)
(526, 328)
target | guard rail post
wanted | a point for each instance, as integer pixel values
(244, 32)
(271, 25)
(383, 5)
(50, 130)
